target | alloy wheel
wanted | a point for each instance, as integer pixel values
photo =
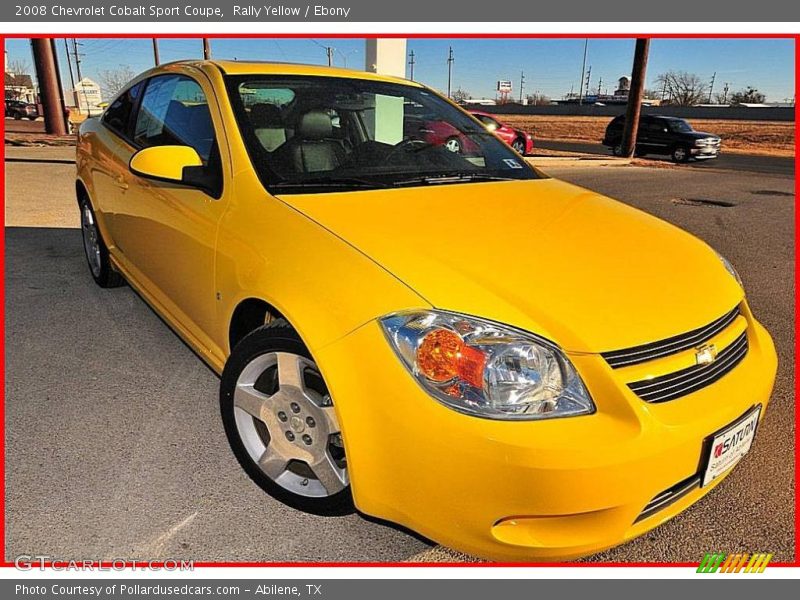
(91, 240)
(286, 421)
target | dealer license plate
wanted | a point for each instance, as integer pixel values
(730, 445)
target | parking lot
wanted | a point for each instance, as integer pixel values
(114, 446)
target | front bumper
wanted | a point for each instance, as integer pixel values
(527, 491)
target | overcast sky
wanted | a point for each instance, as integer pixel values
(552, 66)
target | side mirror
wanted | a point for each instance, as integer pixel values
(164, 163)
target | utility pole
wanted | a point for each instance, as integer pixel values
(450, 61)
(634, 108)
(411, 63)
(206, 49)
(60, 85)
(711, 87)
(599, 85)
(71, 78)
(77, 56)
(725, 93)
(156, 59)
(588, 79)
(664, 90)
(50, 93)
(583, 69)
(521, 85)
(329, 52)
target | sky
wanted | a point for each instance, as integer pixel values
(552, 66)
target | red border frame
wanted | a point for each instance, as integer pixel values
(197, 35)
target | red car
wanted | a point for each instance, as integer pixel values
(519, 140)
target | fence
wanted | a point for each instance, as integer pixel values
(735, 113)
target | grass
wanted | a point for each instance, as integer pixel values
(767, 138)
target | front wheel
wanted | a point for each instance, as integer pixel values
(453, 144)
(519, 146)
(281, 424)
(680, 154)
(616, 150)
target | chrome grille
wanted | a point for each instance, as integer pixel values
(673, 345)
(691, 379)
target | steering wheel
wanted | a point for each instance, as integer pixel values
(407, 145)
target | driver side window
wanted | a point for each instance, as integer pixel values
(174, 111)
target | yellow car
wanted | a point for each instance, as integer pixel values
(507, 364)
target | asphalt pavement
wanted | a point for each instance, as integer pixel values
(756, 163)
(114, 446)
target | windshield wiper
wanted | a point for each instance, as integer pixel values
(348, 183)
(450, 178)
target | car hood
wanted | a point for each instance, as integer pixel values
(699, 135)
(588, 272)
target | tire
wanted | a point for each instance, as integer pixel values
(616, 150)
(17, 117)
(33, 118)
(453, 144)
(95, 249)
(292, 449)
(680, 154)
(519, 146)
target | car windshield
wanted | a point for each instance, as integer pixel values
(679, 126)
(323, 134)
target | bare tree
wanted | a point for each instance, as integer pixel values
(749, 95)
(538, 99)
(113, 80)
(461, 96)
(19, 67)
(682, 88)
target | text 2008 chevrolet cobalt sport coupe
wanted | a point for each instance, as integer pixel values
(510, 365)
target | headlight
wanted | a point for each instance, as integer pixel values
(731, 270)
(485, 369)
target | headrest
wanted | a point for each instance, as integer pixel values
(314, 125)
(265, 116)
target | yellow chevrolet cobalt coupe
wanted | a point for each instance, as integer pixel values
(447, 339)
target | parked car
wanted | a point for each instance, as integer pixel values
(670, 136)
(519, 140)
(420, 124)
(445, 341)
(21, 110)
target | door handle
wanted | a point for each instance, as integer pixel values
(120, 182)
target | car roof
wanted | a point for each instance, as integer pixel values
(239, 67)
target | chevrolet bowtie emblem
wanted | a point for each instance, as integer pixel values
(706, 354)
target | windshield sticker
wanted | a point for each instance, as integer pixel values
(512, 163)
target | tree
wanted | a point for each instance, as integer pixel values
(18, 67)
(749, 95)
(681, 88)
(113, 80)
(461, 96)
(538, 99)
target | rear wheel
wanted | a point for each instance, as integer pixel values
(96, 251)
(616, 150)
(281, 424)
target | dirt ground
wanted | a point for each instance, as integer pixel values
(770, 138)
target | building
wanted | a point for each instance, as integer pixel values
(18, 86)
(624, 86)
(88, 96)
